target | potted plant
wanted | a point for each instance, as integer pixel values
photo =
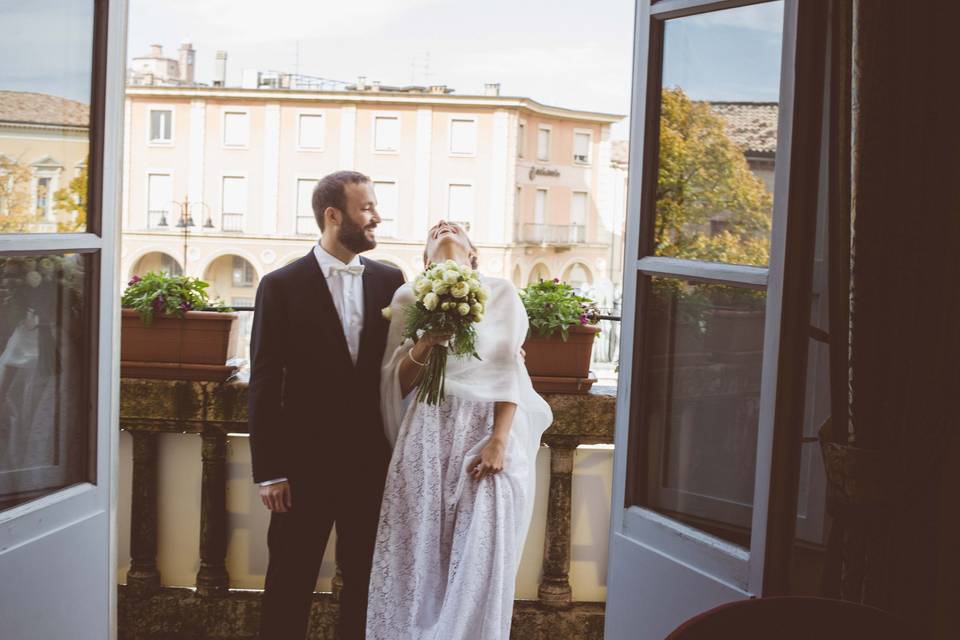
(563, 327)
(171, 329)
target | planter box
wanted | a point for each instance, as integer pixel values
(556, 366)
(193, 347)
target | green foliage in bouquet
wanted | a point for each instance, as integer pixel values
(555, 306)
(158, 293)
(449, 300)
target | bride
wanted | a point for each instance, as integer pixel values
(459, 491)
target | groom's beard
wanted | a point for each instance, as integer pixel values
(353, 237)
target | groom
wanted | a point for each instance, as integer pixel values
(316, 435)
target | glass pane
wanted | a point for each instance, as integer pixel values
(45, 80)
(44, 374)
(703, 346)
(718, 135)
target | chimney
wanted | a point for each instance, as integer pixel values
(156, 51)
(220, 70)
(491, 89)
(186, 63)
(375, 85)
(362, 83)
(438, 88)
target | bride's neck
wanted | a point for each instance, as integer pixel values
(449, 251)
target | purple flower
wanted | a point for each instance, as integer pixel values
(557, 280)
(584, 319)
(185, 306)
(134, 280)
(158, 304)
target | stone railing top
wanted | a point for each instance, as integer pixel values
(171, 406)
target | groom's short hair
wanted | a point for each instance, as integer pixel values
(331, 192)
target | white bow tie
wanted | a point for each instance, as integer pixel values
(353, 269)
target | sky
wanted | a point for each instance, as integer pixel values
(569, 53)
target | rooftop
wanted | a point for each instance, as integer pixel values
(751, 125)
(24, 107)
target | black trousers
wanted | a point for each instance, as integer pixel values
(296, 541)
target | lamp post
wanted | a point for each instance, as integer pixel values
(186, 221)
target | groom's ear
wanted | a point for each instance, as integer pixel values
(332, 214)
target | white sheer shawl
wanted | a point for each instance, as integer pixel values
(499, 376)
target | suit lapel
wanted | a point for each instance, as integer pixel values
(327, 319)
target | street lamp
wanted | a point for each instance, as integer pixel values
(185, 221)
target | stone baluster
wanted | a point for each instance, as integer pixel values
(212, 579)
(143, 578)
(555, 589)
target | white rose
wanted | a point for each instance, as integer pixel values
(446, 306)
(450, 276)
(477, 309)
(33, 278)
(430, 301)
(450, 264)
(440, 287)
(484, 293)
(474, 285)
(387, 313)
(477, 317)
(460, 290)
(463, 308)
(422, 285)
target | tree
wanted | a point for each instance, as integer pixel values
(71, 203)
(16, 213)
(703, 176)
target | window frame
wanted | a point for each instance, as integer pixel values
(159, 142)
(473, 193)
(315, 113)
(386, 115)
(549, 129)
(245, 217)
(521, 138)
(297, 216)
(228, 110)
(589, 133)
(146, 196)
(396, 185)
(476, 135)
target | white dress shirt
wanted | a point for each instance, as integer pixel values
(345, 282)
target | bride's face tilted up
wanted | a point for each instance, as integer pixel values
(449, 241)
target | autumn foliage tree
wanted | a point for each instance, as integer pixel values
(70, 203)
(703, 176)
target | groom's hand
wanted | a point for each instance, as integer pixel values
(276, 497)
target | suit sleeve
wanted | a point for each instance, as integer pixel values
(266, 382)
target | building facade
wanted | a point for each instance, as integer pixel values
(235, 168)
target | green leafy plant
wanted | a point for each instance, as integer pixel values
(555, 306)
(157, 293)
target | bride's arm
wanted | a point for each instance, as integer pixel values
(490, 460)
(409, 371)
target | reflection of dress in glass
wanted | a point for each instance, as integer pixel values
(448, 546)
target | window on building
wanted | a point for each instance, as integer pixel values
(169, 265)
(306, 222)
(463, 136)
(386, 133)
(460, 204)
(387, 204)
(245, 317)
(44, 184)
(578, 216)
(161, 125)
(521, 139)
(543, 143)
(234, 203)
(312, 131)
(581, 147)
(159, 197)
(236, 129)
(242, 275)
(540, 206)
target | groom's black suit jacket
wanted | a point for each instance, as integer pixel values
(314, 416)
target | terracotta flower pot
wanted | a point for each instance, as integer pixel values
(558, 366)
(193, 347)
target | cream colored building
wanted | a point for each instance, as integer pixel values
(533, 183)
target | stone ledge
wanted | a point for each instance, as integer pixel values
(180, 614)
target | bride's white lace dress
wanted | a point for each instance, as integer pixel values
(448, 546)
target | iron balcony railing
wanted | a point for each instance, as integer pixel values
(231, 222)
(563, 234)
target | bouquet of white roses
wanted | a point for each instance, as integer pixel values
(449, 299)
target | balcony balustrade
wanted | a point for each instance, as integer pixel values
(552, 234)
(151, 408)
(231, 222)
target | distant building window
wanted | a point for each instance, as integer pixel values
(236, 129)
(234, 203)
(543, 143)
(521, 139)
(243, 275)
(540, 206)
(387, 203)
(386, 133)
(578, 208)
(44, 196)
(245, 317)
(169, 265)
(581, 147)
(312, 131)
(463, 136)
(161, 126)
(306, 222)
(159, 196)
(460, 204)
